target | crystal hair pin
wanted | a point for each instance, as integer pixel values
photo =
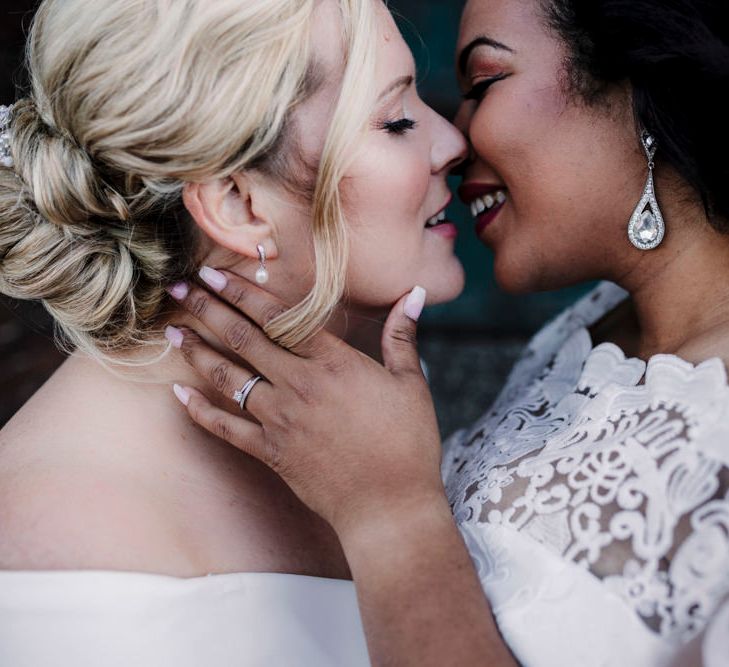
(6, 156)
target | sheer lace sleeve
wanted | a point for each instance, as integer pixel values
(614, 469)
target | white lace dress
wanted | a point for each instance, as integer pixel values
(594, 501)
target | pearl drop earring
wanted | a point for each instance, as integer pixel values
(262, 273)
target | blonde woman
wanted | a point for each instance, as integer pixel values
(273, 138)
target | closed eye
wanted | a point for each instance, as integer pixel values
(479, 90)
(399, 126)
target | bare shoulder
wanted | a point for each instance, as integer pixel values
(59, 519)
(67, 499)
(132, 485)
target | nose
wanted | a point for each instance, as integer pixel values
(449, 147)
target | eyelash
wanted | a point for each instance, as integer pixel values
(479, 90)
(399, 127)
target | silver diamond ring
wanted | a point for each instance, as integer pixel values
(241, 396)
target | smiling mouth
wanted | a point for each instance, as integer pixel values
(487, 203)
(439, 218)
(436, 220)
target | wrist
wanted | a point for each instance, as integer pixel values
(396, 523)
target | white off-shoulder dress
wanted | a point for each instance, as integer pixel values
(593, 497)
(594, 506)
(131, 619)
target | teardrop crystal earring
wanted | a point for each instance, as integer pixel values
(262, 273)
(646, 227)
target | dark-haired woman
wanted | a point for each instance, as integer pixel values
(592, 496)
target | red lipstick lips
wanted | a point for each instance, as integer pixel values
(470, 192)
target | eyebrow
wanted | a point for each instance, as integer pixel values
(401, 82)
(481, 40)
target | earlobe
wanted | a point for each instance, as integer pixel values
(223, 209)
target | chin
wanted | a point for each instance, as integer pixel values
(512, 278)
(442, 289)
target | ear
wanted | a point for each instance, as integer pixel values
(225, 209)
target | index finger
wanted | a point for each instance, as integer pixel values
(236, 331)
(262, 307)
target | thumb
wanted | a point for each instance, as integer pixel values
(399, 337)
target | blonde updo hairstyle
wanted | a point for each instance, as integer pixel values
(130, 100)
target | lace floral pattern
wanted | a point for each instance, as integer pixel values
(618, 466)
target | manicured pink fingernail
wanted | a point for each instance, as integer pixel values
(175, 336)
(414, 304)
(178, 291)
(182, 394)
(214, 278)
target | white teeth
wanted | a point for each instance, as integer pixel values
(487, 202)
(436, 219)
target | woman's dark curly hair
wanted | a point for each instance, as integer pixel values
(675, 55)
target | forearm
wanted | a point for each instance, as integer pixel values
(420, 598)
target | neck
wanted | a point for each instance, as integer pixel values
(360, 329)
(680, 291)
